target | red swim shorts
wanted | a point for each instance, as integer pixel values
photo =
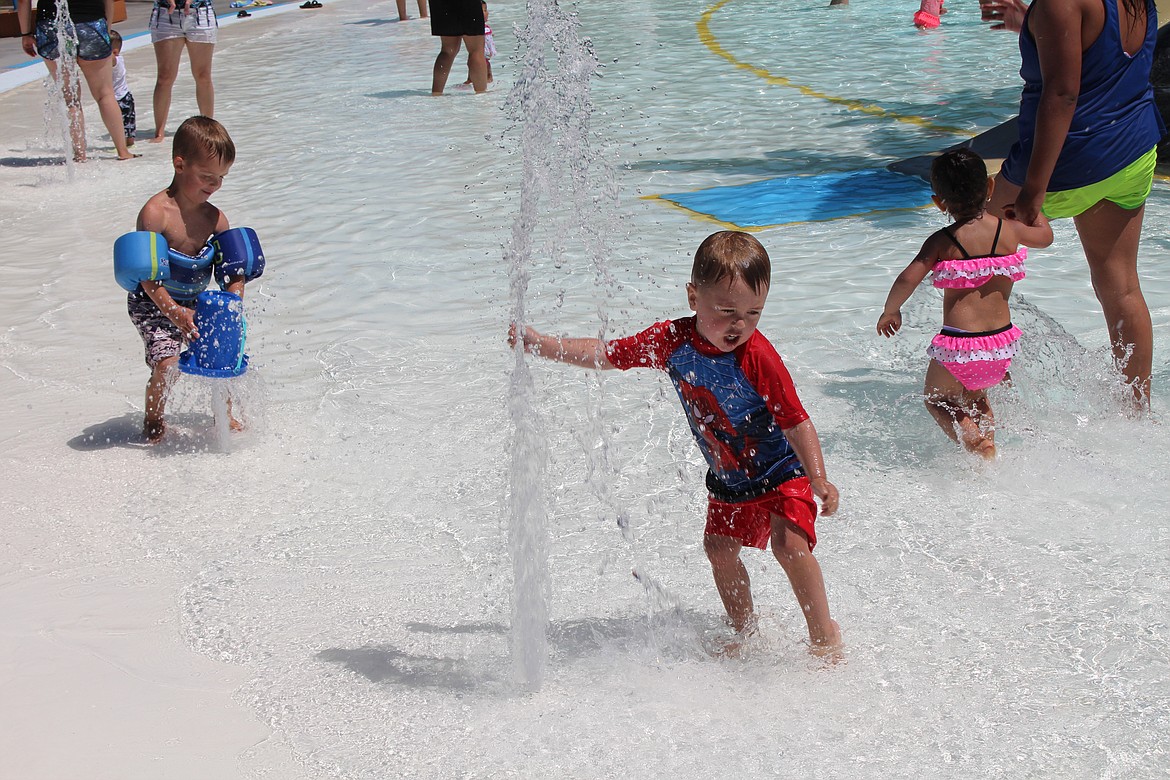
(751, 521)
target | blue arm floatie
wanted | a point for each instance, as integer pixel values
(140, 256)
(237, 253)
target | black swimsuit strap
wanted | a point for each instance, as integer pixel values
(947, 232)
(995, 241)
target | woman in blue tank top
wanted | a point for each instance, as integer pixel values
(1088, 131)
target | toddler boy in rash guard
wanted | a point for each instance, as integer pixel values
(764, 457)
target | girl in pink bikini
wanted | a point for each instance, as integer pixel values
(975, 347)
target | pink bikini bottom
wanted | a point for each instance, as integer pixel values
(977, 360)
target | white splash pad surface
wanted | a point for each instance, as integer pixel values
(342, 573)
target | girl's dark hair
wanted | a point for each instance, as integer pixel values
(959, 178)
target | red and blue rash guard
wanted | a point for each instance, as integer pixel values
(737, 403)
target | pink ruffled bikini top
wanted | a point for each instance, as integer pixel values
(969, 272)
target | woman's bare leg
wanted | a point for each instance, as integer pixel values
(449, 49)
(1110, 237)
(200, 55)
(99, 76)
(166, 54)
(71, 92)
(476, 62)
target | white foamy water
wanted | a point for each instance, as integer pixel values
(350, 553)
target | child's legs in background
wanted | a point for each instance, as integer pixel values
(951, 405)
(731, 579)
(791, 548)
(129, 117)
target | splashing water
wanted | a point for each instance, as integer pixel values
(63, 89)
(551, 103)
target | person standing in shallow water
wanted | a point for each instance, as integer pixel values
(422, 10)
(455, 23)
(175, 25)
(86, 29)
(1087, 148)
(763, 453)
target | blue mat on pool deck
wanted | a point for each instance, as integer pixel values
(806, 198)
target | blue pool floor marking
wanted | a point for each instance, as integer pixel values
(762, 204)
(816, 198)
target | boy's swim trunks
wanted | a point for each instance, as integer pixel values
(161, 337)
(751, 521)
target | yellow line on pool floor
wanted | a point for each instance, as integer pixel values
(708, 39)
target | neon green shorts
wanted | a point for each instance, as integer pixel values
(1128, 188)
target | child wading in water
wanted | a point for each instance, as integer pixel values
(975, 347)
(164, 311)
(762, 449)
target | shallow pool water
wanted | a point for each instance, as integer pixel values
(1002, 620)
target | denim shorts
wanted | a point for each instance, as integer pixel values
(91, 39)
(196, 22)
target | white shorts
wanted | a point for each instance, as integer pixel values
(197, 25)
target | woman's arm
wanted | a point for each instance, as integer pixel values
(24, 18)
(1056, 26)
(1004, 14)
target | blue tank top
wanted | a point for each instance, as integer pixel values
(1115, 121)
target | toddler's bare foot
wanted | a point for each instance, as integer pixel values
(158, 139)
(129, 141)
(735, 645)
(831, 647)
(154, 430)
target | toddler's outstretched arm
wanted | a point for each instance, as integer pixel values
(586, 352)
(904, 286)
(1037, 235)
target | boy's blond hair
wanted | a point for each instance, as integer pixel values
(203, 137)
(731, 253)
